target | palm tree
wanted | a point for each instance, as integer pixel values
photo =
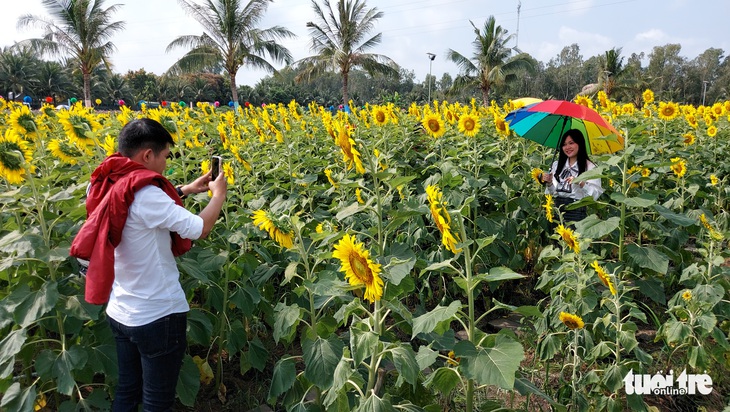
(18, 70)
(53, 80)
(231, 37)
(338, 38)
(492, 63)
(613, 69)
(79, 28)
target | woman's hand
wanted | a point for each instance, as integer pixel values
(546, 178)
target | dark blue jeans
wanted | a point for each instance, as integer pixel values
(150, 358)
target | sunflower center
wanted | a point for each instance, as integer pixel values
(469, 124)
(360, 268)
(380, 117)
(433, 124)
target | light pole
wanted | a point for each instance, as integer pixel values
(431, 57)
(704, 91)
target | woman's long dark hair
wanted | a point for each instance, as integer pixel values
(582, 160)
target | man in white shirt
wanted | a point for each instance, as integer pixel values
(147, 307)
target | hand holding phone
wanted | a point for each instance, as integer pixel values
(215, 167)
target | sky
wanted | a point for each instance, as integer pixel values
(412, 28)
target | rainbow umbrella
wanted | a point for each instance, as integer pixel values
(545, 123)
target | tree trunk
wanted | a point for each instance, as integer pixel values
(485, 95)
(234, 92)
(87, 88)
(345, 79)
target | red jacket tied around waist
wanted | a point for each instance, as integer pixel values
(113, 186)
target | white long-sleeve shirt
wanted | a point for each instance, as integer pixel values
(561, 188)
(146, 279)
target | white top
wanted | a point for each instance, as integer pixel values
(146, 280)
(592, 187)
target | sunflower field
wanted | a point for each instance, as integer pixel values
(361, 259)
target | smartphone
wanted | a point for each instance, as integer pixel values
(215, 166)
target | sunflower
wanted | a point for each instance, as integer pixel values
(358, 268)
(570, 238)
(109, 145)
(167, 119)
(712, 131)
(648, 96)
(645, 172)
(469, 124)
(571, 321)
(277, 229)
(549, 208)
(537, 174)
(679, 166)
(668, 110)
(22, 119)
(358, 196)
(604, 277)
(628, 109)
(442, 218)
(228, 173)
(328, 173)
(688, 139)
(714, 234)
(714, 180)
(687, 295)
(583, 101)
(64, 151)
(350, 154)
(718, 109)
(501, 126)
(434, 125)
(691, 120)
(380, 116)
(12, 146)
(79, 125)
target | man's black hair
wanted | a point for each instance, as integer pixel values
(142, 134)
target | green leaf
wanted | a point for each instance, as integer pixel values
(68, 360)
(286, 318)
(443, 380)
(653, 289)
(36, 304)
(374, 404)
(648, 258)
(17, 399)
(398, 269)
(675, 331)
(188, 383)
(446, 264)
(200, 328)
(676, 218)
(321, 357)
(258, 354)
(405, 362)
(500, 273)
(495, 365)
(11, 345)
(708, 294)
(283, 378)
(20, 244)
(426, 357)
(103, 359)
(349, 211)
(642, 201)
(525, 387)
(362, 343)
(427, 322)
(596, 228)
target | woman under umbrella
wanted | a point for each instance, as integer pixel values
(572, 161)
